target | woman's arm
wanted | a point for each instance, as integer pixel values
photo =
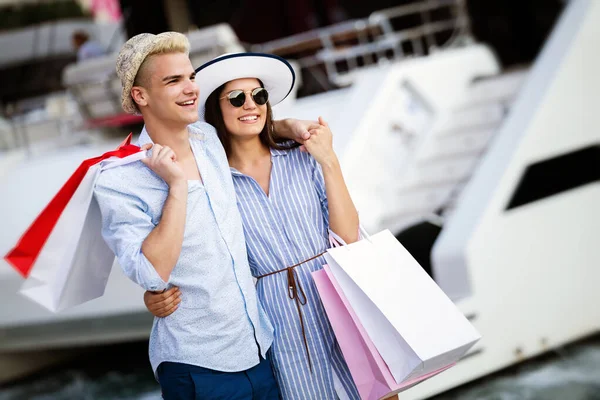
(162, 304)
(343, 217)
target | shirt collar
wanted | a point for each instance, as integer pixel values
(235, 172)
(274, 154)
(144, 137)
(194, 132)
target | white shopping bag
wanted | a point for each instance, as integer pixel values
(74, 265)
(415, 327)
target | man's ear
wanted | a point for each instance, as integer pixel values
(139, 96)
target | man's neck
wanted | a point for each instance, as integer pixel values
(174, 136)
(246, 152)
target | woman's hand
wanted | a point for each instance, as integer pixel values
(162, 304)
(320, 144)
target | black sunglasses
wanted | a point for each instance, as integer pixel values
(237, 98)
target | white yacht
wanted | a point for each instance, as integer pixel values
(504, 165)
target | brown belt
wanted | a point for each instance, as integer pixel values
(294, 290)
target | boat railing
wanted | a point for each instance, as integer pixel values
(330, 56)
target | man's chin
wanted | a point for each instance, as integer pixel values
(190, 119)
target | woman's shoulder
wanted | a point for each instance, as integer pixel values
(302, 161)
(293, 151)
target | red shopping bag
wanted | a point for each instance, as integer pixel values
(22, 257)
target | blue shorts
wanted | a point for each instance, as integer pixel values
(188, 382)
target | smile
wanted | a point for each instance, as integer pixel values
(188, 103)
(248, 118)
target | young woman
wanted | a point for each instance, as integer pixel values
(289, 198)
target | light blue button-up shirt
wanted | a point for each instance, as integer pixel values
(219, 324)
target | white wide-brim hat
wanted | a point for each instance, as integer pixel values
(276, 74)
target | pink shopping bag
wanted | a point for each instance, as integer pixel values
(369, 372)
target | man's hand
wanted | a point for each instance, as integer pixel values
(294, 129)
(163, 162)
(320, 144)
(163, 304)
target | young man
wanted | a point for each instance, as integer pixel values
(172, 220)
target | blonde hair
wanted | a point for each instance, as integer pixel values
(175, 42)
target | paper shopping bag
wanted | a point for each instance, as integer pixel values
(414, 326)
(74, 265)
(369, 371)
(74, 262)
(23, 255)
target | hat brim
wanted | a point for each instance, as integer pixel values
(276, 74)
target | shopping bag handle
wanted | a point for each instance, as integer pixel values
(336, 241)
(116, 161)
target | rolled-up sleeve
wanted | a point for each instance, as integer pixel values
(125, 226)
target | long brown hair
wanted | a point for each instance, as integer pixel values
(214, 116)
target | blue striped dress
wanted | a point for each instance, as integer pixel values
(282, 229)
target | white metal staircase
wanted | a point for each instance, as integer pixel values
(448, 155)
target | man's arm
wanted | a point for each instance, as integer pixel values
(125, 226)
(162, 247)
(294, 129)
(146, 252)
